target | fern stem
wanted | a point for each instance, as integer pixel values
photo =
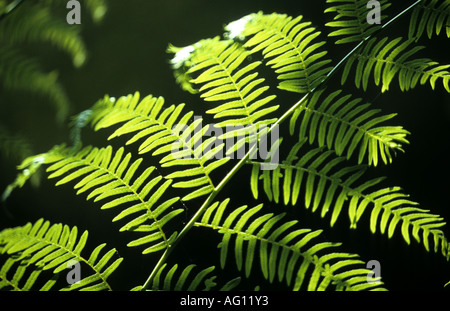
(401, 13)
(244, 160)
(197, 215)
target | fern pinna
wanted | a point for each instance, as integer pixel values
(40, 246)
(173, 181)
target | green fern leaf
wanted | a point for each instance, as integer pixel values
(391, 58)
(351, 20)
(35, 23)
(431, 16)
(187, 282)
(283, 251)
(286, 43)
(392, 208)
(113, 177)
(331, 188)
(41, 246)
(164, 132)
(30, 169)
(223, 76)
(345, 126)
(19, 280)
(317, 171)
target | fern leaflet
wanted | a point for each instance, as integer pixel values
(287, 42)
(345, 125)
(225, 78)
(390, 58)
(284, 251)
(329, 187)
(43, 247)
(112, 176)
(351, 20)
(35, 23)
(186, 282)
(164, 132)
(430, 16)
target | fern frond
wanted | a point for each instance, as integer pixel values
(430, 16)
(29, 169)
(345, 125)
(186, 281)
(350, 20)
(331, 188)
(20, 147)
(42, 246)
(287, 44)
(224, 77)
(113, 176)
(326, 186)
(165, 131)
(391, 58)
(20, 73)
(31, 23)
(391, 208)
(283, 250)
(14, 276)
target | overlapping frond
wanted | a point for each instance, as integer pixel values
(222, 75)
(317, 173)
(346, 125)
(330, 187)
(20, 73)
(288, 45)
(165, 131)
(31, 23)
(392, 58)
(430, 16)
(113, 176)
(392, 209)
(350, 19)
(225, 77)
(15, 147)
(34, 248)
(188, 280)
(284, 251)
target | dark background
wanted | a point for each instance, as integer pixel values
(127, 53)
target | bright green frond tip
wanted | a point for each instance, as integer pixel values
(348, 127)
(225, 77)
(34, 249)
(288, 45)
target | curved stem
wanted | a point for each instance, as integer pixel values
(236, 168)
